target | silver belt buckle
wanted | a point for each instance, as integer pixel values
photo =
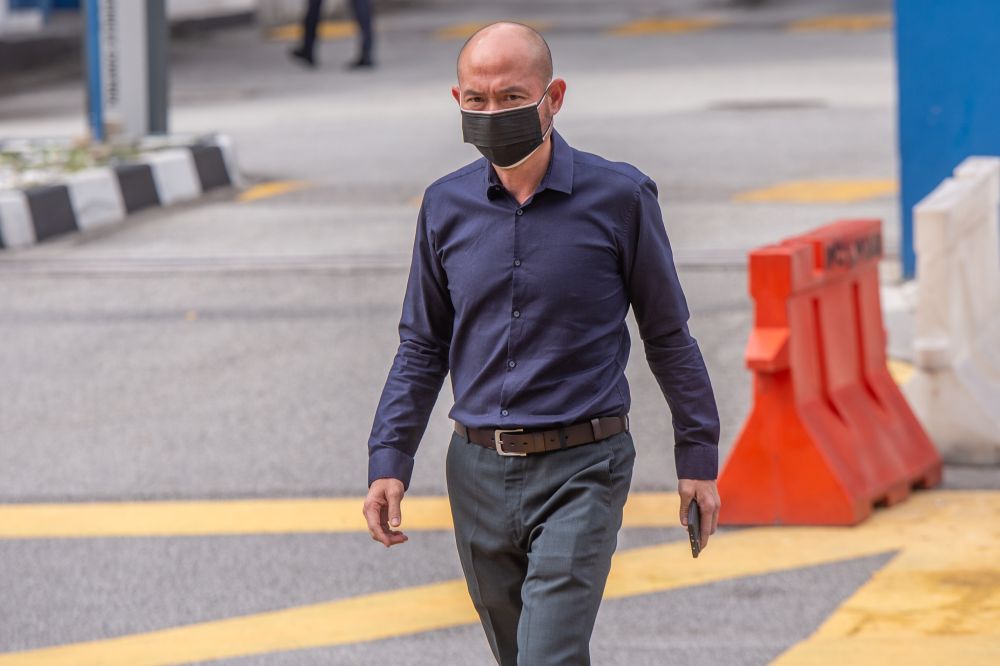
(499, 445)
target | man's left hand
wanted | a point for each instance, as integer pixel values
(708, 504)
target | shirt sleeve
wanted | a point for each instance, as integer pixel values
(420, 365)
(661, 312)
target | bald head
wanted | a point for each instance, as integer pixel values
(503, 46)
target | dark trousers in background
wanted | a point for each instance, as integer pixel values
(362, 16)
(535, 536)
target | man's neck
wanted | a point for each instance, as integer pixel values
(523, 180)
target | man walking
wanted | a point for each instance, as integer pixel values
(524, 266)
(362, 10)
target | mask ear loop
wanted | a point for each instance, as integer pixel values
(552, 119)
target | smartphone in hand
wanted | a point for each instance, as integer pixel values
(694, 527)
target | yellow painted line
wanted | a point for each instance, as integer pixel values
(659, 26)
(937, 601)
(901, 371)
(195, 518)
(271, 189)
(923, 527)
(466, 30)
(265, 516)
(821, 192)
(843, 23)
(364, 618)
(326, 30)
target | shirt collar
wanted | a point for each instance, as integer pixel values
(559, 175)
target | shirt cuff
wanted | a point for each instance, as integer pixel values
(697, 461)
(389, 463)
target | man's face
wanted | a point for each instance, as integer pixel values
(495, 82)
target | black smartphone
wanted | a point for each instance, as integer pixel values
(694, 527)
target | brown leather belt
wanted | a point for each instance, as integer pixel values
(517, 442)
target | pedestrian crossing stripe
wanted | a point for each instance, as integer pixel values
(935, 601)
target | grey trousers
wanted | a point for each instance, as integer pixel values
(535, 536)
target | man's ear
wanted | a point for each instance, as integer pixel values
(557, 93)
(457, 94)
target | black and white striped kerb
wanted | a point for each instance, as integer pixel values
(211, 165)
(51, 211)
(137, 186)
(99, 197)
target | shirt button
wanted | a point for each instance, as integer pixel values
(517, 313)
(503, 412)
(517, 262)
(520, 211)
(511, 364)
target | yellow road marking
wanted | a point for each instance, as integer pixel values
(271, 189)
(326, 30)
(821, 192)
(926, 526)
(901, 371)
(671, 26)
(268, 516)
(362, 618)
(466, 30)
(843, 23)
(938, 601)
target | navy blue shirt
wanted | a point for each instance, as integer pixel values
(526, 306)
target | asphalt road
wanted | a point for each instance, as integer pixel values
(233, 350)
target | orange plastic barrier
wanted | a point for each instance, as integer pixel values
(830, 434)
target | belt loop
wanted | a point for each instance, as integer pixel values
(595, 424)
(625, 418)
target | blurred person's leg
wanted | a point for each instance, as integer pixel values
(310, 25)
(363, 16)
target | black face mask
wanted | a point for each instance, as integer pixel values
(506, 138)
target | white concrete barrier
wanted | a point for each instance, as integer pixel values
(16, 228)
(228, 148)
(175, 175)
(96, 198)
(955, 387)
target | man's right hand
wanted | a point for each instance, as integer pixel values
(383, 513)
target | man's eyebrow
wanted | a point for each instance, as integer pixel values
(508, 89)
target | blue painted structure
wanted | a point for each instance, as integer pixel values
(95, 103)
(948, 55)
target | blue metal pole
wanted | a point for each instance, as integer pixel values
(94, 92)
